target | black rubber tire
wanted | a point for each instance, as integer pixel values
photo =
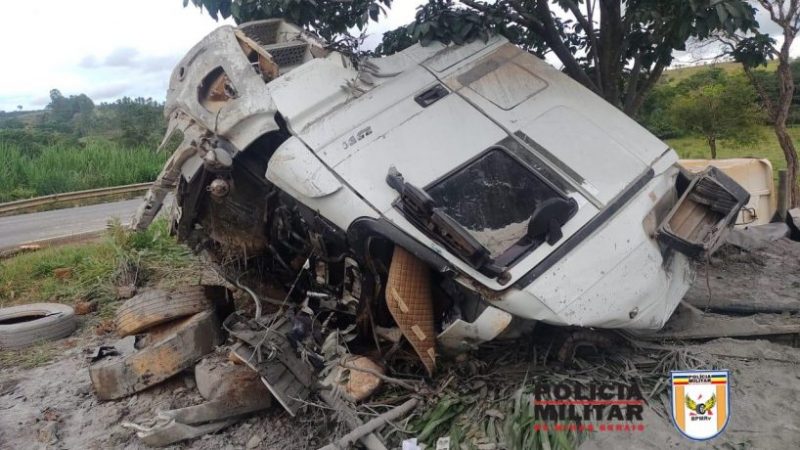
(151, 308)
(56, 321)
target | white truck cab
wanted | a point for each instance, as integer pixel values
(525, 194)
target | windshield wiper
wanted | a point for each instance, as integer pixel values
(421, 209)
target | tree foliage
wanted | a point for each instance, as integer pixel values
(716, 106)
(139, 121)
(752, 51)
(130, 122)
(75, 111)
(329, 18)
(617, 48)
(445, 21)
(769, 82)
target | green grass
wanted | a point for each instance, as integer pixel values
(677, 75)
(151, 258)
(67, 167)
(146, 258)
(764, 145)
(509, 423)
(33, 356)
(30, 277)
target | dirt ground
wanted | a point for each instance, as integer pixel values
(53, 406)
(765, 402)
(737, 280)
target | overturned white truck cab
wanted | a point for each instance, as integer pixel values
(521, 192)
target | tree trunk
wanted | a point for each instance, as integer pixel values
(712, 144)
(609, 51)
(786, 90)
(792, 163)
(778, 109)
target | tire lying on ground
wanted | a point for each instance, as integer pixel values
(154, 307)
(189, 340)
(24, 325)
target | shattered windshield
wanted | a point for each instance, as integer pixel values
(494, 198)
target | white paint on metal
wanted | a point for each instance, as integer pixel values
(618, 268)
(603, 162)
(294, 169)
(242, 119)
(312, 90)
(463, 336)
(350, 126)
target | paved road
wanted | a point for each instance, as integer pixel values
(62, 223)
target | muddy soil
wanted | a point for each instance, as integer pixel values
(765, 278)
(53, 406)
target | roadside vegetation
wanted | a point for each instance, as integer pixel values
(33, 356)
(92, 272)
(708, 110)
(74, 145)
(66, 166)
(763, 145)
(731, 68)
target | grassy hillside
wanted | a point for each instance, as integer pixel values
(676, 75)
(765, 145)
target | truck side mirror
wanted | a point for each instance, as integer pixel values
(549, 217)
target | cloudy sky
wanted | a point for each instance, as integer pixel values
(112, 48)
(104, 48)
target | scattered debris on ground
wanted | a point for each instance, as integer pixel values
(761, 278)
(481, 399)
(425, 305)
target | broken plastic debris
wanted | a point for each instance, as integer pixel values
(411, 444)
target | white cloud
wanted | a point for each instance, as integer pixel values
(111, 48)
(121, 57)
(107, 91)
(107, 47)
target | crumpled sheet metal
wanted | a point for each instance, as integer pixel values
(409, 298)
(461, 336)
(288, 379)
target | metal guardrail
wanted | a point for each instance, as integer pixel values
(21, 205)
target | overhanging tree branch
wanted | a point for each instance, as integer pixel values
(561, 50)
(595, 53)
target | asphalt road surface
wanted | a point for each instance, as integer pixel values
(63, 223)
